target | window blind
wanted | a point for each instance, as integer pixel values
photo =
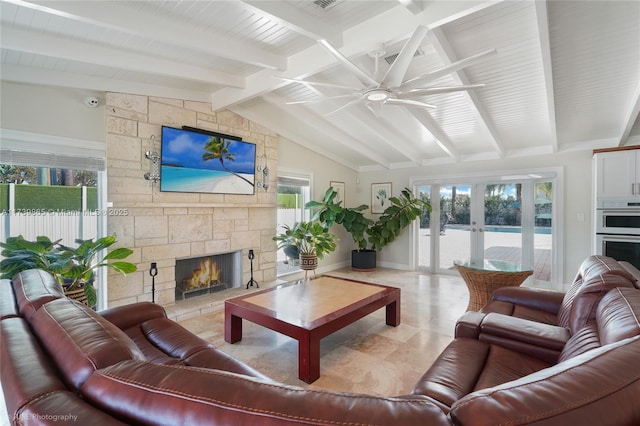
(38, 150)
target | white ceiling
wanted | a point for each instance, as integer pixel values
(566, 75)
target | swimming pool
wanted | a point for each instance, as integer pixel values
(507, 229)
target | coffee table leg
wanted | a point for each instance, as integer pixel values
(232, 327)
(393, 313)
(309, 358)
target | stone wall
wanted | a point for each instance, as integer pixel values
(163, 226)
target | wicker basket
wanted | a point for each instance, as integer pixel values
(77, 294)
(481, 283)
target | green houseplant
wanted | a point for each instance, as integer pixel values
(311, 239)
(365, 231)
(73, 267)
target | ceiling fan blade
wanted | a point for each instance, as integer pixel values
(315, 101)
(410, 102)
(375, 108)
(471, 60)
(348, 104)
(366, 79)
(318, 83)
(436, 90)
(397, 70)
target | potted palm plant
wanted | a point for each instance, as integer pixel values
(366, 232)
(73, 267)
(311, 239)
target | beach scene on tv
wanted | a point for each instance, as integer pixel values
(198, 162)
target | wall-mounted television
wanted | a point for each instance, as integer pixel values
(194, 160)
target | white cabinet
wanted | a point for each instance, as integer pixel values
(617, 174)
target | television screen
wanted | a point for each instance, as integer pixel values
(193, 160)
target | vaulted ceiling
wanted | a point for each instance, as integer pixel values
(566, 75)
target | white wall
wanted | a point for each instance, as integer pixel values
(51, 111)
(577, 195)
(323, 170)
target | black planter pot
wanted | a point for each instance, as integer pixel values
(363, 260)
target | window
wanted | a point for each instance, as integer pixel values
(293, 194)
(53, 186)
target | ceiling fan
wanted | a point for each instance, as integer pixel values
(391, 88)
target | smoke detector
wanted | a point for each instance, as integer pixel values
(91, 101)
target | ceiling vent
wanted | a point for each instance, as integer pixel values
(393, 57)
(325, 4)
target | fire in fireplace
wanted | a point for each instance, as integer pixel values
(207, 274)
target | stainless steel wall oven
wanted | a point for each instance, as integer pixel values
(618, 231)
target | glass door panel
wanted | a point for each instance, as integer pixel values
(502, 228)
(543, 235)
(454, 223)
(424, 231)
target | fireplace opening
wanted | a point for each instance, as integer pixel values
(197, 276)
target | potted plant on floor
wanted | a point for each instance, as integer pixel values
(401, 212)
(311, 239)
(73, 267)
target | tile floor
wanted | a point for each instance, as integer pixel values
(368, 356)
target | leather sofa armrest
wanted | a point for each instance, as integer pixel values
(535, 298)
(543, 341)
(514, 328)
(127, 316)
(469, 325)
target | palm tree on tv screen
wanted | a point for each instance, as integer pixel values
(217, 147)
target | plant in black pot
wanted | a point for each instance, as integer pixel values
(73, 267)
(366, 232)
(312, 240)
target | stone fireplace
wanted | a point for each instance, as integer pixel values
(162, 227)
(196, 276)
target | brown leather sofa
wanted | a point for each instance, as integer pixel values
(62, 362)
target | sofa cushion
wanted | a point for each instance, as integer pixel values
(79, 340)
(587, 298)
(599, 387)
(178, 342)
(195, 396)
(596, 276)
(27, 373)
(132, 315)
(618, 315)
(215, 359)
(466, 365)
(8, 307)
(171, 338)
(33, 288)
(584, 340)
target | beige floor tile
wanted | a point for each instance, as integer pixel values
(367, 356)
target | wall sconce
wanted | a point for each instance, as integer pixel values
(263, 172)
(154, 172)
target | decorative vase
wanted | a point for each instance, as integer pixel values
(363, 260)
(77, 294)
(308, 262)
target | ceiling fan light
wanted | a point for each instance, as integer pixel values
(377, 95)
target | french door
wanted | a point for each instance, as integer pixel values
(488, 218)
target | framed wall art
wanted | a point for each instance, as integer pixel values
(339, 188)
(380, 193)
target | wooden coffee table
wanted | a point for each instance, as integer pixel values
(308, 311)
